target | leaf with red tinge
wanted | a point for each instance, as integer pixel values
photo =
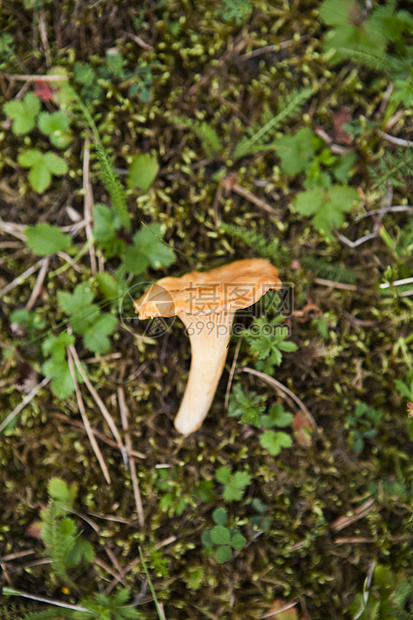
(341, 118)
(43, 90)
(302, 429)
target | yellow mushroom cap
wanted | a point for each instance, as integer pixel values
(229, 288)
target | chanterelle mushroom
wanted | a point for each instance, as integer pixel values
(206, 303)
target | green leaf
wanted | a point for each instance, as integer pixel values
(148, 249)
(62, 492)
(62, 382)
(55, 126)
(234, 484)
(223, 474)
(326, 206)
(30, 158)
(246, 405)
(55, 346)
(142, 172)
(42, 167)
(223, 554)
(72, 303)
(219, 516)
(55, 164)
(277, 417)
(238, 541)
(52, 123)
(44, 239)
(220, 535)
(108, 285)
(106, 221)
(96, 337)
(23, 113)
(274, 441)
(295, 151)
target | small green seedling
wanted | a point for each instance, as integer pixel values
(65, 547)
(23, 113)
(148, 249)
(221, 540)
(235, 484)
(363, 424)
(43, 166)
(142, 172)
(86, 319)
(268, 341)
(326, 206)
(55, 126)
(56, 366)
(250, 408)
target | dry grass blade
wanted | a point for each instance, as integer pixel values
(88, 204)
(86, 422)
(124, 417)
(359, 513)
(99, 403)
(22, 277)
(39, 283)
(23, 404)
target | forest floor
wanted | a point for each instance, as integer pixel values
(146, 139)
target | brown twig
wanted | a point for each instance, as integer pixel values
(393, 139)
(36, 78)
(22, 277)
(333, 284)
(245, 193)
(138, 41)
(86, 423)
(134, 478)
(359, 513)
(39, 283)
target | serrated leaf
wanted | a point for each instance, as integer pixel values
(30, 158)
(223, 554)
(238, 541)
(277, 417)
(96, 337)
(219, 516)
(108, 285)
(223, 474)
(72, 303)
(295, 151)
(234, 489)
(42, 167)
(148, 249)
(61, 379)
(326, 206)
(220, 535)
(23, 113)
(142, 172)
(55, 164)
(56, 345)
(49, 123)
(44, 239)
(106, 221)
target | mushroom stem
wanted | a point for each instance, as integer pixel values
(209, 336)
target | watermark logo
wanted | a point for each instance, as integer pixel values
(202, 302)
